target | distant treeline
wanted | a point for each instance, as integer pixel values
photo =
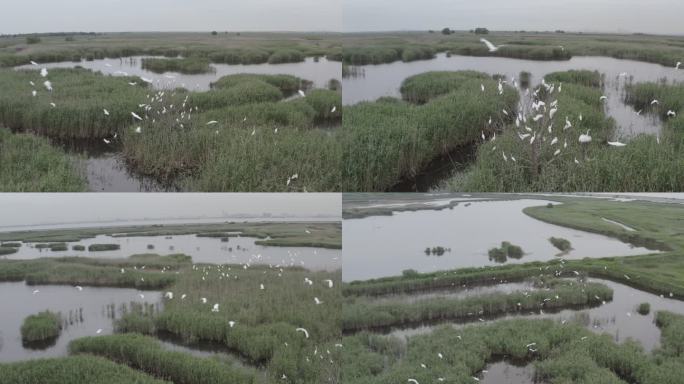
(48, 34)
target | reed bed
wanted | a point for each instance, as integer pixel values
(31, 164)
(82, 369)
(41, 327)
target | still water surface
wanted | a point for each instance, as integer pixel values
(380, 246)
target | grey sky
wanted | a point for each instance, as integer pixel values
(170, 15)
(33, 209)
(652, 16)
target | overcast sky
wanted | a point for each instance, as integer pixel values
(33, 209)
(170, 15)
(648, 16)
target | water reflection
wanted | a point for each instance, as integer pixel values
(385, 79)
(83, 314)
(320, 71)
(380, 246)
(504, 372)
(212, 250)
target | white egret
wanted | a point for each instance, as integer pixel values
(334, 108)
(554, 141)
(585, 138)
(655, 101)
(53, 105)
(558, 151)
(44, 72)
(306, 333)
(106, 112)
(98, 331)
(138, 130)
(106, 141)
(34, 93)
(33, 62)
(490, 46)
(414, 381)
(79, 287)
(616, 144)
(301, 93)
(147, 80)
(135, 115)
(261, 286)
(203, 300)
(317, 301)
(36, 291)
(48, 85)
(603, 98)
(216, 308)
(169, 295)
(231, 324)
(671, 113)
(482, 87)
(330, 283)
(679, 63)
(212, 122)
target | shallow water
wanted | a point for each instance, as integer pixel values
(380, 246)
(385, 79)
(212, 250)
(18, 301)
(618, 317)
(503, 372)
(318, 72)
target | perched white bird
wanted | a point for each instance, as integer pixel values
(33, 62)
(679, 63)
(552, 112)
(482, 87)
(231, 324)
(301, 93)
(576, 162)
(216, 308)
(203, 300)
(36, 291)
(655, 101)
(490, 46)
(106, 141)
(585, 138)
(317, 301)
(44, 72)
(98, 331)
(34, 93)
(79, 287)
(616, 144)
(138, 130)
(554, 141)
(169, 295)
(334, 108)
(557, 152)
(53, 105)
(261, 286)
(48, 85)
(212, 122)
(306, 333)
(133, 83)
(330, 283)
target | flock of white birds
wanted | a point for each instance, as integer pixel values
(544, 116)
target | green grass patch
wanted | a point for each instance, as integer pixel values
(83, 369)
(31, 164)
(644, 308)
(78, 247)
(504, 252)
(7, 251)
(560, 243)
(41, 327)
(103, 247)
(190, 65)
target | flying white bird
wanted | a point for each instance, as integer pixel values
(212, 122)
(603, 98)
(98, 331)
(655, 101)
(301, 93)
(53, 105)
(306, 333)
(135, 115)
(79, 287)
(317, 301)
(106, 141)
(106, 112)
(33, 62)
(671, 114)
(34, 93)
(334, 108)
(203, 300)
(490, 46)
(133, 83)
(616, 144)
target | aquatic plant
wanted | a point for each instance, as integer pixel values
(82, 369)
(560, 243)
(644, 308)
(103, 247)
(31, 164)
(191, 65)
(40, 327)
